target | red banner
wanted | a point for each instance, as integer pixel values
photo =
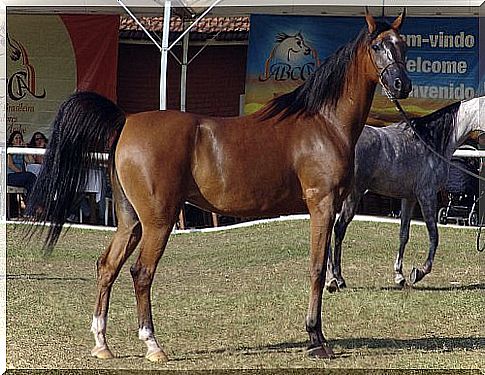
(95, 42)
(49, 57)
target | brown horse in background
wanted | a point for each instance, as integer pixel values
(295, 155)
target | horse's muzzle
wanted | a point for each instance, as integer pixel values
(397, 82)
(402, 87)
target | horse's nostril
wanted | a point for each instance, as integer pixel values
(397, 84)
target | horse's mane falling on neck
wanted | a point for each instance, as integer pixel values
(325, 86)
(437, 128)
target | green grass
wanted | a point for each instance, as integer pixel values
(238, 299)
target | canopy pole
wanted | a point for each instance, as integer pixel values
(183, 73)
(164, 54)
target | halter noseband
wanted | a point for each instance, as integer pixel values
(381, 72)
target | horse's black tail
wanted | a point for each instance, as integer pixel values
(85, 124)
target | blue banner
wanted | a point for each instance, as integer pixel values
(442, 58)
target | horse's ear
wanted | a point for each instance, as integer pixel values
(371, 22)
(396, 25)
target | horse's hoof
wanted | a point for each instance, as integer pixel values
(341, 284)
(102, 353)
(416, 275)
(332, 286)
(329, 351)
(400, 281)
(321, 352)
(157, 356)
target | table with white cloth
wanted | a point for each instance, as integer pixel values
(95, 183)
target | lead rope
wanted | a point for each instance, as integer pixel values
(409, 123)
(480, 248)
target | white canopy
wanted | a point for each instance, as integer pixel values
(244, 7)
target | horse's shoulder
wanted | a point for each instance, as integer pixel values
(370, 135)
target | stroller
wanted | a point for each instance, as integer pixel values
(462, 190)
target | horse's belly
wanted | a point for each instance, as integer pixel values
(396, 186)
(243, 195)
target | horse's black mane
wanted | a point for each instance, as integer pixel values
(325, 85)
(437, 127)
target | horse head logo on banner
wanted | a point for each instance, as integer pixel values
(291, 58)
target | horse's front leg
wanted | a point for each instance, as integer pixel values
(428, 209)
(153, 242)
(346, 215)
(108, 266)
(407, 207)
(331, 283)
(322, 216)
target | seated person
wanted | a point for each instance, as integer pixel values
(38, 140)
(16, 173)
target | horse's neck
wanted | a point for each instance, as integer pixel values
(354, 106)
(465, 122)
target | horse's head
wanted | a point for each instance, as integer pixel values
(387, 51)
(471, 117)
(292, 45)
(300, 42)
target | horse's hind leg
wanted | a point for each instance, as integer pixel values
(154, 239)
(109, 264)
(407, 207)
(428, 209)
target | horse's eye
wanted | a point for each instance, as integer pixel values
(299, 43)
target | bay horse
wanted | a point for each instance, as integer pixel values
(295, 155)
(393, 161)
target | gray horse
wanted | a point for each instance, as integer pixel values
(393, 161)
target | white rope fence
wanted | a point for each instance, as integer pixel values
(104, 156)
(41, 151)
(468, 153)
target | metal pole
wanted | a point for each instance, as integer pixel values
(183, 73)
(164, 54)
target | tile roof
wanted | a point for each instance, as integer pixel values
(224, 28)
